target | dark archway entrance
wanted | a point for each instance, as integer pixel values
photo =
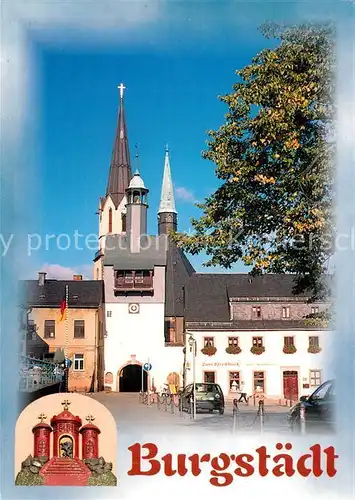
(130, 379)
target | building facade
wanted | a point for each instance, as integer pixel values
(252, 333)
(80, 333)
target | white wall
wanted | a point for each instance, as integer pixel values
(140, 335)
(116, 219)
(273, 361)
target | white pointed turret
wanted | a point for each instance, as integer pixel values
(167, 201)
(167, 214)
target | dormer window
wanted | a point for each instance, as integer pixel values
(256, 312)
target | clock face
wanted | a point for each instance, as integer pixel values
(133, 308)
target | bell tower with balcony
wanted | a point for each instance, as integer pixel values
(137, 208)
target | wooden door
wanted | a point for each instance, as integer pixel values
(290, 385)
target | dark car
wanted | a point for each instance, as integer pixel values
(209, 397)
(319, 410)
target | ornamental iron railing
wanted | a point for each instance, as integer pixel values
(36, 373)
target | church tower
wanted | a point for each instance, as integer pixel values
(112, 207)
(167, 214)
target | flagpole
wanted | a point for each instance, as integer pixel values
(66, 322)
(66, 337)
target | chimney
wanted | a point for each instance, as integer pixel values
(41, 278)
(78, 277)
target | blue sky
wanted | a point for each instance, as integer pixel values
(173, 71)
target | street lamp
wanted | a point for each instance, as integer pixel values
(192, 344)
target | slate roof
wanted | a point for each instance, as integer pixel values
(118, 254)
(120, 170)
(268, 285)
(82, 294)
(178, 274)
(207, 295)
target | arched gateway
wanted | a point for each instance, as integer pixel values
(132, 378)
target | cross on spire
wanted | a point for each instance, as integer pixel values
(66, 404)
(42, 417)
(90, 419)
(122, 89)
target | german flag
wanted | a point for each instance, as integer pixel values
(63, 307)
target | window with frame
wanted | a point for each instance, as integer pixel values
(124, 222)
(208, 342)
(209, 377)
(49, 329)
(313, 341)
(259, 381)
(315, 378)
(138, 277)
(289, 342)
(257, 342)
(314, 310)
(79, 329)
(170, 330)
(234, 377)
(78, 362)
(110, 220)
(286, 312)
(233, 341)
(128, 276)
(256, 310)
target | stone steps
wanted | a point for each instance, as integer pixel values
(65, 472)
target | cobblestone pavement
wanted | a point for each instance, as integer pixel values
(129, 412)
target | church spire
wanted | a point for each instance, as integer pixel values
(167, 214)
(120, 169)
(167, 201)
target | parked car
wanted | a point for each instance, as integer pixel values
(209, 397)
(319, 410)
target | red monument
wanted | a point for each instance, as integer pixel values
(69, 464)
(90, 441)
(65, 467)
(41, 433)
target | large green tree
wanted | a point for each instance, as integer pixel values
(273, 156)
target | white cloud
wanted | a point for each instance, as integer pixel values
(105, 18)
(56, 271)
(185, 194)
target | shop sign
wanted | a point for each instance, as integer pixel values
(217, 364)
